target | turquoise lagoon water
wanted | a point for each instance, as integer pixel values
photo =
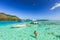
(45, 31)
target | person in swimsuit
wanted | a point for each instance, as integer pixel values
(35, 33)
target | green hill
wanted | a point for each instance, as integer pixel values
(6, 17)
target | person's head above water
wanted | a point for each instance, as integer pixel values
(35, 31)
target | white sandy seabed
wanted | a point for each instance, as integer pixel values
(45, 32)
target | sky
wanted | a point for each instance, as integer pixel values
(32, 9)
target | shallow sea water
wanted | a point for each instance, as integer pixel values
(45, 32)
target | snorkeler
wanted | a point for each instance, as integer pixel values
(35, 33)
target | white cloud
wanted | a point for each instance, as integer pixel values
(55, 6)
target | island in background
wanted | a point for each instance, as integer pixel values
(7, 17)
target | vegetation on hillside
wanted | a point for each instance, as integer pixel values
(6, 17)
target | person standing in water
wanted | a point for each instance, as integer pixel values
(35, 33)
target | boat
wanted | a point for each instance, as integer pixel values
(19, 25)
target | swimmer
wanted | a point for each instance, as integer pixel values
(35, 33)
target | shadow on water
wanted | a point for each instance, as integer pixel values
(32, 36)
(14, 27)
(58, 36)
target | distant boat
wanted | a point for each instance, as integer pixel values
(35, 22)
(19, 25)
